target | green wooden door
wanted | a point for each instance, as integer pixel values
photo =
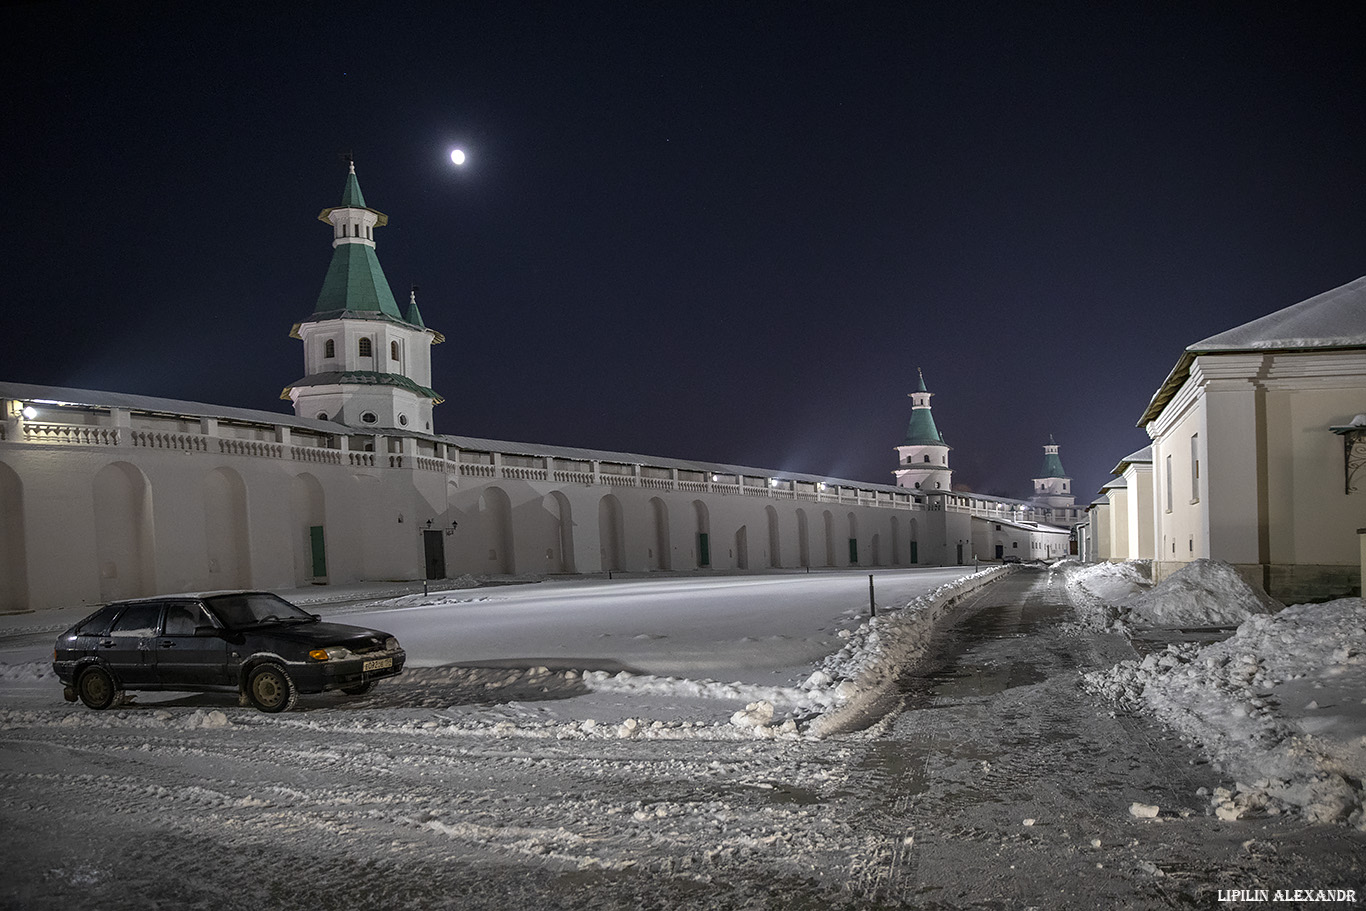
(319, 551)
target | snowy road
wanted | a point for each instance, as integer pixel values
(427, 798)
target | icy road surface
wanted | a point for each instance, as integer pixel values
(999, 785)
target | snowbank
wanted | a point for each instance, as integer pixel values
(1202, 593)
(1097, 587)
(1279, 705)
(857, 679)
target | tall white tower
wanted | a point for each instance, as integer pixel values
(1053, 487)
(924, 456)
(366, 363)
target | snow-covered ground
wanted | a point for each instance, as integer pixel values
(1281, 704)
(753, 655)
(663, 743)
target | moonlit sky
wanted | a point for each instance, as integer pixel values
(727, 232)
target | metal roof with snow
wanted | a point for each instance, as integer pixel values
(1334, 319)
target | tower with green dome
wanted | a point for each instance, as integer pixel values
(367, 363)
(923, 458)
(1053, 487)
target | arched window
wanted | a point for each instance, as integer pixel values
(393, 350)
(365, 349)
(329, 348)
(927, 458)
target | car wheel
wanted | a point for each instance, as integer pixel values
(359, 689)
(97, 689)
(270, 689)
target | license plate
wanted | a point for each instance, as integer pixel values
(378, 664)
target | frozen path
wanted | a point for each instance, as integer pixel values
(1003, 785)
(762, 630)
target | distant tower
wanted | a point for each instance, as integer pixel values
(924, 457)
(1053, 487)
(366, 363)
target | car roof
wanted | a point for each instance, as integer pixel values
(179, 595)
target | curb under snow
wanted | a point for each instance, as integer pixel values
(881, 650)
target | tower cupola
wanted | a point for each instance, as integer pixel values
(923, 458)
(1053, 487)
(366, 363)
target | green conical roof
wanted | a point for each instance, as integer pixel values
(355, 285)
(414, 315)
(351, 195)
(1052, 465)
(921, 430)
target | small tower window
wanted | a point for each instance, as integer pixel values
(393, 350)
(329, 348)
(368, 418)
(927, 458)
(365, 349)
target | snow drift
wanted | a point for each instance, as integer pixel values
(1201, 593)
(1279, 705)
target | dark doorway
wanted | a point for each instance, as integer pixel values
(317, 551)
(434, 549)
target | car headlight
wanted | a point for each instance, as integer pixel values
(391, 644)
(331, 653)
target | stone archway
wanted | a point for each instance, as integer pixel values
(227, 540)
(124, 551)
(13, 554)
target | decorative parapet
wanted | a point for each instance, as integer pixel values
(155, 439)
(315, 454)
(257, 448)
(77, 434)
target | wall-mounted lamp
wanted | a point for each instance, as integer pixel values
(30, 412)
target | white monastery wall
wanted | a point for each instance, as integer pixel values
(104, 503)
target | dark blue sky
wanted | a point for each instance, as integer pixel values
(717, 231)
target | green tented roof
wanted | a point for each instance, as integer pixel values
(1052, 466)
(415, 315)
(355, 285)
(921, 430)
(351, 195)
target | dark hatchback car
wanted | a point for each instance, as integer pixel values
(255, 642)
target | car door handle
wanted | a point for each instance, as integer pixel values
(106, 643)
(167, 643)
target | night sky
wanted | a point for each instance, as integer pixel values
(727, 232)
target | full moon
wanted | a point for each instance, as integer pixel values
(457, 156)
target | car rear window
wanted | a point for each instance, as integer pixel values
(97, 624)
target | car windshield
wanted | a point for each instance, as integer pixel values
(254, 609)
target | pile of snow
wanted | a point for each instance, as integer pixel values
(1201, 593)
(1281, 705)
(1096, 588)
